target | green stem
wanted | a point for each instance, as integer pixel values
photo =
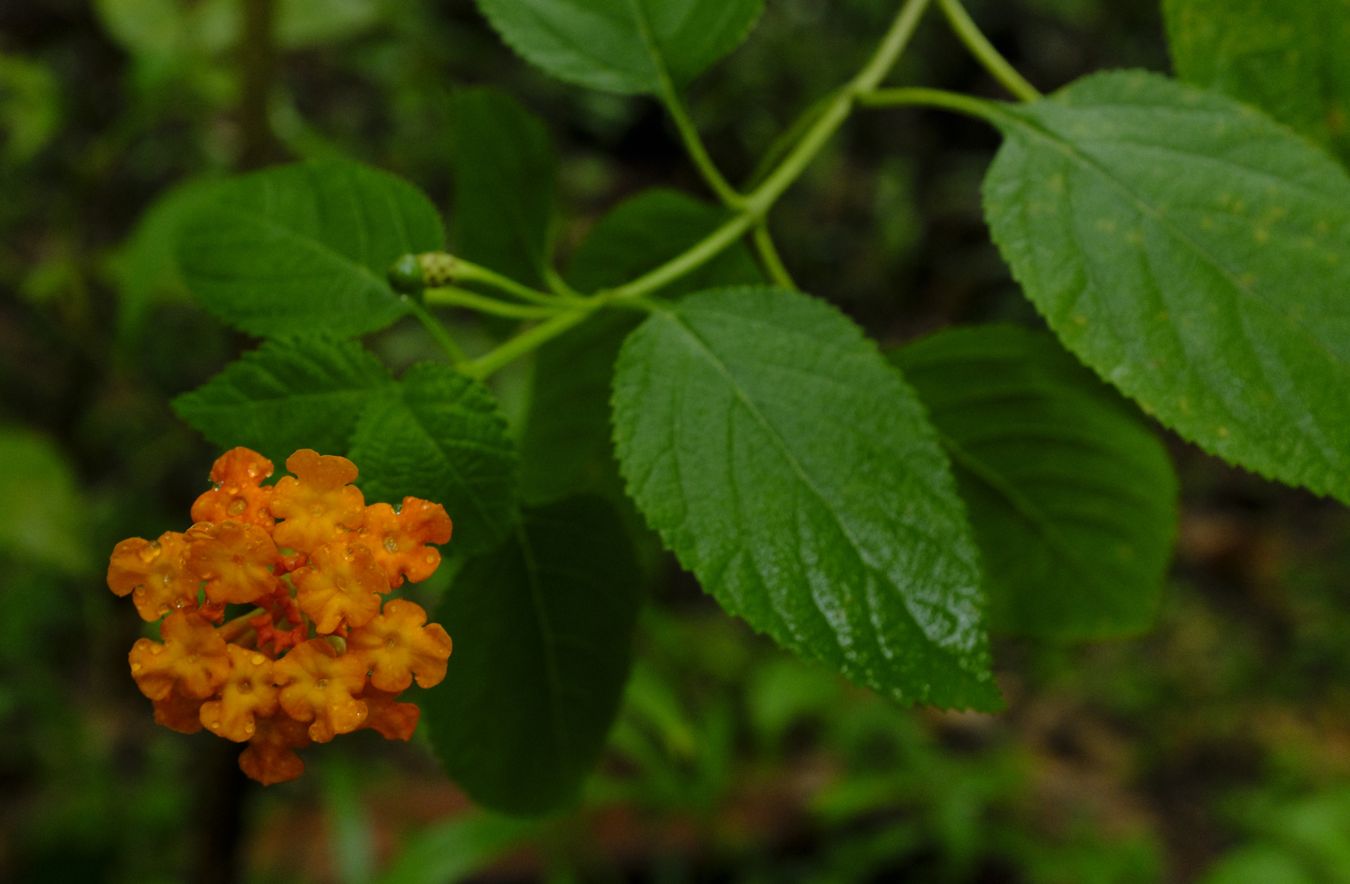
(695, 256)
(837, 111)
(750, 212)
(953, 101)
(526, 341)
(467, 271)
(769, 257)
(984, 51)
(670, 97)
(451, 296)
(693, 145)
(437, 331)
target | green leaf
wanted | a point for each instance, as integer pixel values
(504, 169)
(1073, 500)
(287, 395)
(40, 507)
(543, 631)
(442, 439)
(1194, 254)
(624, 46)
(146, 266)
(793, 471)
(1287, 58)
(566, 443)
(304, 249)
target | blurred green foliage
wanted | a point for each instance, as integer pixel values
(1215, 748)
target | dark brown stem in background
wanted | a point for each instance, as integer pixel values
(257, 67)
(221, 790)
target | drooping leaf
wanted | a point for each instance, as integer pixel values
(1195, 254)
(622, 45)
(566, 444)
(543, 630)
(287, 395)
(792, 470)
(504, 184)
(40, 507)
(1072, 499)
(304, 249)
(442, 438)
(1287, 58)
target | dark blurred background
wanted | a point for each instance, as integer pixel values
(1215, 748)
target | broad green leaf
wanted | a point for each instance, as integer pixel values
(287, 395)
(622, 46)
(792, 470)
(40, 506)
(1287, 58)
(504, 184)
(566, 444)
(1072, 498)
(1196, 255)
(543, 631)
(441, 438)
(304, 249)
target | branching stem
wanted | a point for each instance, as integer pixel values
(970, 34)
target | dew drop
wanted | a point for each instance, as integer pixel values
(257, 659)
(321, 683)
(215, 725)
(391, 544)
(136, 667)
(237, 507)
(430, 558)
(156, 649)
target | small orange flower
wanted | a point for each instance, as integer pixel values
(315, 656)
(316, 505)
(398, 645)
(248, 693)
(192, 660)
(399, 539)
(319, 685)
(239, 494)
(179, 713)
(270, 757)
(154, 574)
(235, 559)
(388, 717)
(342, 584)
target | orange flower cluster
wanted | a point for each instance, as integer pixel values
(320, 653)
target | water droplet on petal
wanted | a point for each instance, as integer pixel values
(257, 659)
(136, 667)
